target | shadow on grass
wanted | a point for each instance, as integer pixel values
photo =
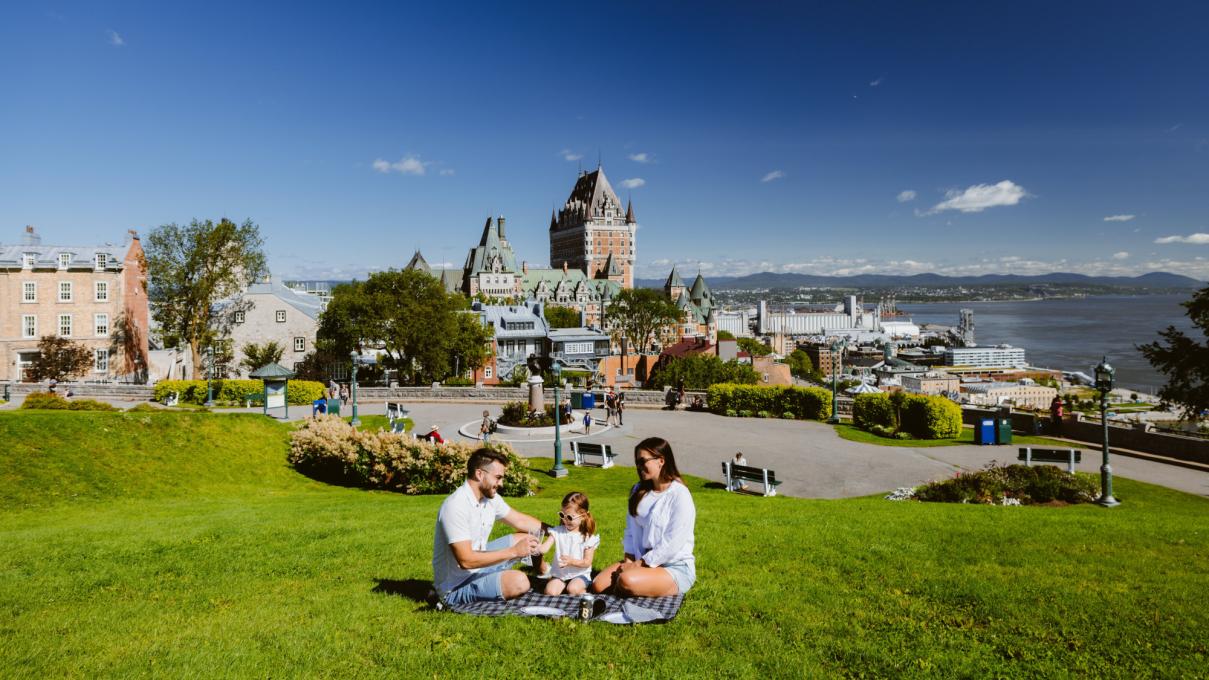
(415, 589)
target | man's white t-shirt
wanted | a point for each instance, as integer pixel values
(462, 518)
(571, 544)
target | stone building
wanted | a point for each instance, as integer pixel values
(94, 295)
(592, 234)
(271, 312)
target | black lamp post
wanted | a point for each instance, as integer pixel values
(210, 377)
(355, 421)
(837, 363)
(559, 470)
(1104, 376)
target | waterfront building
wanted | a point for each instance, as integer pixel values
(986, 357)
(1020, 394)
(931, 382)
(92, 294)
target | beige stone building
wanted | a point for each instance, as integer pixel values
(271, 312)
(932, 382)
(1020, 395)
(95, 295)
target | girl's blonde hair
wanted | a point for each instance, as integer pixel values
(579, 501)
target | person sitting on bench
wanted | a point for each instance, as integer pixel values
(738, 484)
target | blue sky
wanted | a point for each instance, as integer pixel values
(832, 138)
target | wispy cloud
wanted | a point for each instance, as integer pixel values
(904, 196)
(408, 165)
(569, 155)
(1175, 127)
(876, 81)
(1197, 239)
(1123, 255)
(633, 182)
(1119, 218)
(775, 174)
(446, 172)
(980, 197)
(115, 39)
(643, 157)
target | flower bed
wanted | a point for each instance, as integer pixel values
(516, 414)
(1011, 485)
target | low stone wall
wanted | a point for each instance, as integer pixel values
(1191, 449)
(498, 395)
(111, 390)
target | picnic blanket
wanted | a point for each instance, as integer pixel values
(609, 608)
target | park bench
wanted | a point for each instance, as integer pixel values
(1031, 455)
(585, 450)
(748, 473)
(254, 399)
(395, 411)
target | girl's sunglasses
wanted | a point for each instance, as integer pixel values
(566, 516)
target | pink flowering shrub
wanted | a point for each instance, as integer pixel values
(329, 449)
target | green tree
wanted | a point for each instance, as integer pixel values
(1184, 359)
(637, 315)
(59, 358)
(562, 317)
(697, 372)
(470, 345)
(754, 347)
(800, 364)
(190, 269)
(726, 335)
(255, 356)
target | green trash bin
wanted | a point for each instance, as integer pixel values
(1003, 431)
(333, 407)
(577, 400)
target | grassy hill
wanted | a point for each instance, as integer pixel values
(182, 545)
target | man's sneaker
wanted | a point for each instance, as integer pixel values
(434, 600)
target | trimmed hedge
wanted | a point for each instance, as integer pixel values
(301, 392)
(806, 403)
(929, 417)
(870, 410)
(47, 400)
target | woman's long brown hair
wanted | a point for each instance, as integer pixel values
(659, 448)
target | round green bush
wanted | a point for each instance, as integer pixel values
(788, 415)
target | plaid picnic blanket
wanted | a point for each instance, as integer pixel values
(668, 606)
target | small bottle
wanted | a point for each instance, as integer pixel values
(585, 606)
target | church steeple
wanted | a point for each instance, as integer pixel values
(629, 211)
(553, 220)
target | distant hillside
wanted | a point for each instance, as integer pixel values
(771, 280)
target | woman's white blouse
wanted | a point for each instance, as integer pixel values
(662, 531)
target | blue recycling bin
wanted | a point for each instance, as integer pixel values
(984, 431)
(589, 401)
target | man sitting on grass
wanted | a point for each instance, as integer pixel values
(465, 566)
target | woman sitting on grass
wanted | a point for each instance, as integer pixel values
(659, 529)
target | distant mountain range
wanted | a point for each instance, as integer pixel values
(772, 280)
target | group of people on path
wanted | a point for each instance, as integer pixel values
(657, 547)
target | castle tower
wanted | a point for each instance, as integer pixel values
(591, 228)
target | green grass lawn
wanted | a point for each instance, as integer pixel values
(183, 545)
(851, 432)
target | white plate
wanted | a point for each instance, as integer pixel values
(613, 617)
(552, 612)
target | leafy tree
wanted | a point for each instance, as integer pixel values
(59, 358)
(1184, 359)
(697, 372)
(726, 335)
(562, 317)
(191, 268)
(469, 347)
(754, 347)
(637, 315)
(800, 364)
(256, 355)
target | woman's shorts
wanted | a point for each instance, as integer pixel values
(683, 573)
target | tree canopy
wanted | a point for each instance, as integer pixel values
(699, 371)
(421, 330)
(59, 358)
(754, 347)
(562, 317)
(638, 314)
(191, 268)
(1184, 359)
(256, 356)
(800, 364)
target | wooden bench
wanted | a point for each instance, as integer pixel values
(395, 411)
(585, 450)
(736, 473)
(1030, 455)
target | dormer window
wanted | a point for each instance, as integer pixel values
(64, 260)
(102, 261)
(27, 260)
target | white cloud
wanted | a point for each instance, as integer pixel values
(877, 81)
(115, 39)
(904, 196)
(643, 157)
(633, 182)
(446, 172)
(1197, 239)
(1120, 256)
(1119, 218)
(408, 165)
(980, 197)
(569, 155)
(775, 174)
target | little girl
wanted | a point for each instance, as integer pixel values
(575, 541)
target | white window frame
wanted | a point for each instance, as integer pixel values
(70, 289)
(299, 344)
(28, 260)
(281, 316)
(487, 371)
(102, 261)
(29, 330)
(29, 287)
(68, 325)
(100, 325)
(64, 260)
(239, 317)
(100, 360)
(100, 291)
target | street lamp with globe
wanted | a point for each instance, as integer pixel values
(1104, 378)
(354, 356)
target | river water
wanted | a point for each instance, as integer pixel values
(1072, 334)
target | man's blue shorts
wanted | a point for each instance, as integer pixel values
(485, 584)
